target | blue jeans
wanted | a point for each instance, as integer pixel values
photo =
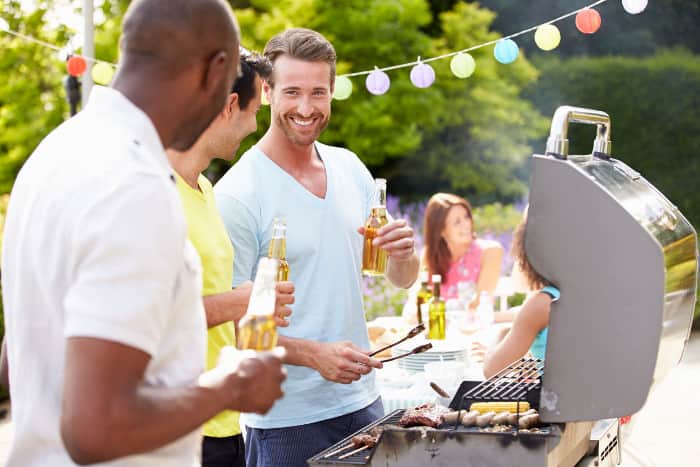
(292, 446)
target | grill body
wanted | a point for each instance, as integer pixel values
(625, 260)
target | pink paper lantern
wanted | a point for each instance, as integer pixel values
(588, 21)
(422, 75)
(377, 82)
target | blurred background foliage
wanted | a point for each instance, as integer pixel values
(474, 136)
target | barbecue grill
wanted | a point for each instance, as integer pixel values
(625, 261)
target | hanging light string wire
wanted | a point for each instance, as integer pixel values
(474, 47)
(51, 46)
(357, 73)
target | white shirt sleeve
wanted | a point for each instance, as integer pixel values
(242, 229)
(129, 254)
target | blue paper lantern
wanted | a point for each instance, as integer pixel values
(422, 75)
(506, 51)
(377, 82)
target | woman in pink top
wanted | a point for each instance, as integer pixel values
(453, 250)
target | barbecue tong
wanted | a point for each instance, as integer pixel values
(412, 333)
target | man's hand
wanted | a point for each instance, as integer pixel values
(396, 238)
(343, 362)
(285, 296)
(250, 381)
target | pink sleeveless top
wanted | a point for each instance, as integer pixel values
(465, 269)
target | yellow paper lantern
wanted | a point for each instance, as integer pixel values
(102, 73)
(462, 65)
(547, 37)
(343, 88)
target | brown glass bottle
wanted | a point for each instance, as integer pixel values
(278, 248)
(374, 258)
(436, 314)
(257, 329)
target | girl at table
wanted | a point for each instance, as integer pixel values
(529, 330)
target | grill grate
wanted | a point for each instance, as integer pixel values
(362, 457)
(519, 382)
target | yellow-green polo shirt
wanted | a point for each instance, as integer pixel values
(206, 231)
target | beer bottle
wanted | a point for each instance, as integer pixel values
(278, 248)
(374, 258)
(257, 329)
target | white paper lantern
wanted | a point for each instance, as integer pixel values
(634, 7)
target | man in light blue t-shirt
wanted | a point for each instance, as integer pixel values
(325, 195)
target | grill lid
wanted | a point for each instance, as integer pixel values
(625, 260)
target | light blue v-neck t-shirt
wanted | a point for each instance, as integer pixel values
(324, 252)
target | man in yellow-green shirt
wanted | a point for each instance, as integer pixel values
(223, 443)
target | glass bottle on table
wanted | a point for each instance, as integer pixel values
(257, 329)
(278, 248)
(423, 296)
(436, 311)
(374, 258)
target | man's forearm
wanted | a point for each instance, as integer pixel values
(299, 351)
(227, 306)
(138, 422)
(403, 273)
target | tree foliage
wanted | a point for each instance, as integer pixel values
(32, 100)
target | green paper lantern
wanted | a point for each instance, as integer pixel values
(102, 73)
(462, 65)
(343, 88)
(547, 37)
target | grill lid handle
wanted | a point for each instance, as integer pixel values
(558, 143)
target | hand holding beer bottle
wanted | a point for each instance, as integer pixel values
(374, 257)
(257, 329)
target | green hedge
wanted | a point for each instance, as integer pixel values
(654, 107)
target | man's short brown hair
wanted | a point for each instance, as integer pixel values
(302, 44)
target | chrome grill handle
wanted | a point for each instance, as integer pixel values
(558, 142)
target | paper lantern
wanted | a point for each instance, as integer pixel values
(506, 51)
(588, 20)
(547, 37)
(377, 82)
(343, 88)
(76, 65)
(634, 7)
(422, 75)
(102, 73)
(462, 65)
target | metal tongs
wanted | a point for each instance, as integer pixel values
(412, 333)
(419, 349)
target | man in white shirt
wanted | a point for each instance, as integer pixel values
(102, 292)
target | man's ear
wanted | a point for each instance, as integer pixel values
(267, 90)
(231, 107)
(216, 71)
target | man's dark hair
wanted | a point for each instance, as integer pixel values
(252, 64)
